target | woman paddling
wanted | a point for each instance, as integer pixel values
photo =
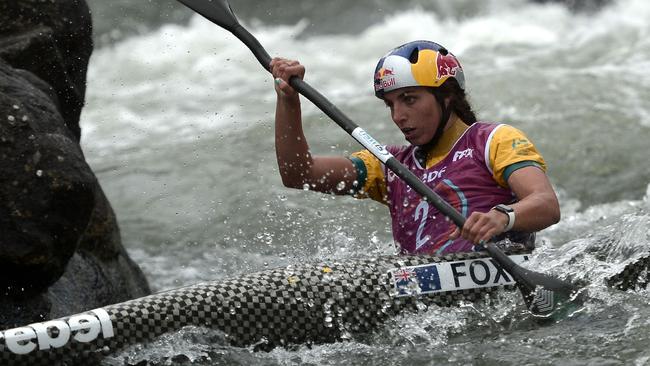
(489, 172)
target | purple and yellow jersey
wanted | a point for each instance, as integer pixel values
(469, 168)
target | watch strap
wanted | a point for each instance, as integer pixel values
(508, 211)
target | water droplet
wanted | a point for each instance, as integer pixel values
(282, 197)
(39, 173)
(340, 186)
(11, 118)
(305, 187)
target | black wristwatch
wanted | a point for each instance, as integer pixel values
(508, 211)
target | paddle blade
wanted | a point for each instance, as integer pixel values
(220, 13)
(545, 296)
(548, 297)
(217, 11)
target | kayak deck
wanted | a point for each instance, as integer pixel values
(311, 303)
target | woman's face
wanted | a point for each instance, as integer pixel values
(416, 113)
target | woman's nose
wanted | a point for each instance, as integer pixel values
(397, 113)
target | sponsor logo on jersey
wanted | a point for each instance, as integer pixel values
(429, 177)
(463, 154)
(517, 143)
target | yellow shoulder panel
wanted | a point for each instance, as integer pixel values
(509, 149)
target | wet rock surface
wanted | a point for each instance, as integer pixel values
(60, 247)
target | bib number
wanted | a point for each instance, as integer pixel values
(421, 213)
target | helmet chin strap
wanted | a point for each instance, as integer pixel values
(423, 150)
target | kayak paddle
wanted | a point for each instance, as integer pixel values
(544, 295)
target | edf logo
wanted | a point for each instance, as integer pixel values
(463, 154)
(429, 177)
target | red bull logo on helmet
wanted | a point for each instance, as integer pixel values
(384, 78)
(447, 65)
(433, 68)
(383, 72)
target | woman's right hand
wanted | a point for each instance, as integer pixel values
(282, 70)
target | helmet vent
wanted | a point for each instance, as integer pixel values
(414, 56)
(443, 51)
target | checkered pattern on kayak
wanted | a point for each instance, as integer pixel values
(312, 303)
(634, 275)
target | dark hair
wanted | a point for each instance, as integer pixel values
(458, 102)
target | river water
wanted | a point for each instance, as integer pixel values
(178, 127)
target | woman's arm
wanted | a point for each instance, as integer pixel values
(298, 168)
(537, 208)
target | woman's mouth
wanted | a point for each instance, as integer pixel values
(408, 132)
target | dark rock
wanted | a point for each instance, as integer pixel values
(53, 40)
(60, 246)
(47, 189)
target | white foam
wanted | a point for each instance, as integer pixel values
(178, 80)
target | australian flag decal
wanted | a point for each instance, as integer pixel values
(416, 280)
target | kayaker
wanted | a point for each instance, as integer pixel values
(491, 173)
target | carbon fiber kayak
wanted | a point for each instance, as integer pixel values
(311, 303)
